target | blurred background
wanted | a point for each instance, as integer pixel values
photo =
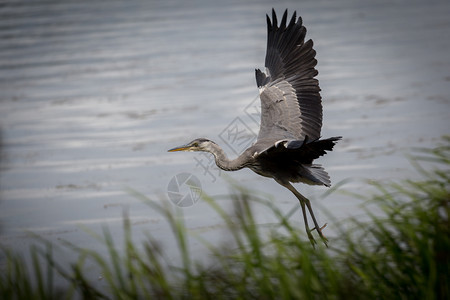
(93, 93)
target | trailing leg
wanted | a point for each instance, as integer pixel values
(305, 201)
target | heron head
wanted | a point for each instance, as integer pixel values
(200, 144)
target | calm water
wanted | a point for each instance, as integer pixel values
(92, 95)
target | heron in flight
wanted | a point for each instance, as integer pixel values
(291, 117)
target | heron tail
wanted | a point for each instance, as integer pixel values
(316, 174)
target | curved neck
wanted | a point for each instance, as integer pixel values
(223, 162)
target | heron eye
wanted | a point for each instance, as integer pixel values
(195, 145)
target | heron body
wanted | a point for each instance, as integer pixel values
(291, 117)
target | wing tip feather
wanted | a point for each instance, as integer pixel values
(274, 19)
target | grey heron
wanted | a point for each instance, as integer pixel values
(291, 117)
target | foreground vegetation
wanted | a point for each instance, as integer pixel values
(401, 252)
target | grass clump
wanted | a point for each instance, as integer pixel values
(401, 252)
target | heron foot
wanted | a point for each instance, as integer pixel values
(319, 230)
(311, 238)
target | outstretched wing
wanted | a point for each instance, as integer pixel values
(291, 107)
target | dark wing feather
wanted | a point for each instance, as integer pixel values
(303, 152)
(291, 105)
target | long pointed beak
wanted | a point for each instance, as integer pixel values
(179, 148)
